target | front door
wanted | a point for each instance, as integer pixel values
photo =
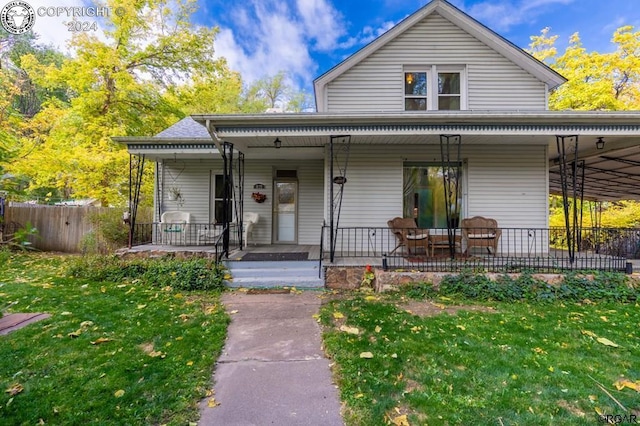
(285, 211)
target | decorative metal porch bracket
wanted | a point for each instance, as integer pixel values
(572, 185)
(450, 146)
(136, 172)
(339, 150)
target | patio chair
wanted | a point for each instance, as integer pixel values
(408, 234)
(174, 226)
(481, 232)
(249, 219)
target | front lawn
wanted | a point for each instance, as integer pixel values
(112, 352)
(401, 361)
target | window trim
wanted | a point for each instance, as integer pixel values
(432, 97)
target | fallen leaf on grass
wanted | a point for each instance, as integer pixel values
(155, 354)
(14, 389)
(86, 324)
(66, 313)
(189, 363)
(119, 393)
(366, 355)
(142, 306)
(103, 289)
(338, 315)
(588, 333)
(371, 298)
(75, 334)
(378, 329)
(626, 383)
(400, 420)
(349, 330)
(100, 340)
(607, 342)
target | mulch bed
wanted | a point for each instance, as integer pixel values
(12, 322)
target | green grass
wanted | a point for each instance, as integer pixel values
(161, 349)
(524, 364)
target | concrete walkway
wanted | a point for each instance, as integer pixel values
(272, 370)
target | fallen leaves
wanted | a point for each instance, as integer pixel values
(100, 340)
(14, 389)
(607, 342)
(366, 355)
(119, 393)
(601, 340)
(350, 330)
(620, 384)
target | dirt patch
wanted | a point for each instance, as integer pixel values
(430, 309)
(570, 408)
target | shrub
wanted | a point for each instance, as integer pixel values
(600, 286)
(193, 274)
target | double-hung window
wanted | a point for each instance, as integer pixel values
(434, 88)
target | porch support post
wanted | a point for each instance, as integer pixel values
(227, 182)
(136, 171)
(239, 199)
(568, 162)
(339, 157)
(450, 146)
(331, 235)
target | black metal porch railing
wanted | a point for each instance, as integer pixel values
(187, 234)
(514, 250)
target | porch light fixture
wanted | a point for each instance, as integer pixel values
(600, 143)
(277, 143)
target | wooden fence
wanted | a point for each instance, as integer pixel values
(60, 228)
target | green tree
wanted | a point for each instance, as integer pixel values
(123, 85)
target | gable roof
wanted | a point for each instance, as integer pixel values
(463, 21)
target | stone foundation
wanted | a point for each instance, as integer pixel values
(344, 277)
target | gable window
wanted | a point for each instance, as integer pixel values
(415, 91)
(434, 88)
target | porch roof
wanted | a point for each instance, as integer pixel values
(611, 173)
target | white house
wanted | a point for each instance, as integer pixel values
(438, 94)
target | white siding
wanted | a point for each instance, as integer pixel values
(507, 183)
(192, 177)
(494, 82)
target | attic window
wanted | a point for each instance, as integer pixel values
(434, 88)
(415, 91)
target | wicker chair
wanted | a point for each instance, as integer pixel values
(408, 234)
(481, 232)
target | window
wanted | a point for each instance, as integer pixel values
(422, 92)
(423, 194)
(415, 91)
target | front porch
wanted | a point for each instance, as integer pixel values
(518, 249)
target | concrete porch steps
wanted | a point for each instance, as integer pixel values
(256, 274)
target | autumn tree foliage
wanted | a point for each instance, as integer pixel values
(596, 82)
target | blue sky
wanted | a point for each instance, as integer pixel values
(307, 37)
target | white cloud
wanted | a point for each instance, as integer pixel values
(501, 15)
(322, 23)
(267, 37)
